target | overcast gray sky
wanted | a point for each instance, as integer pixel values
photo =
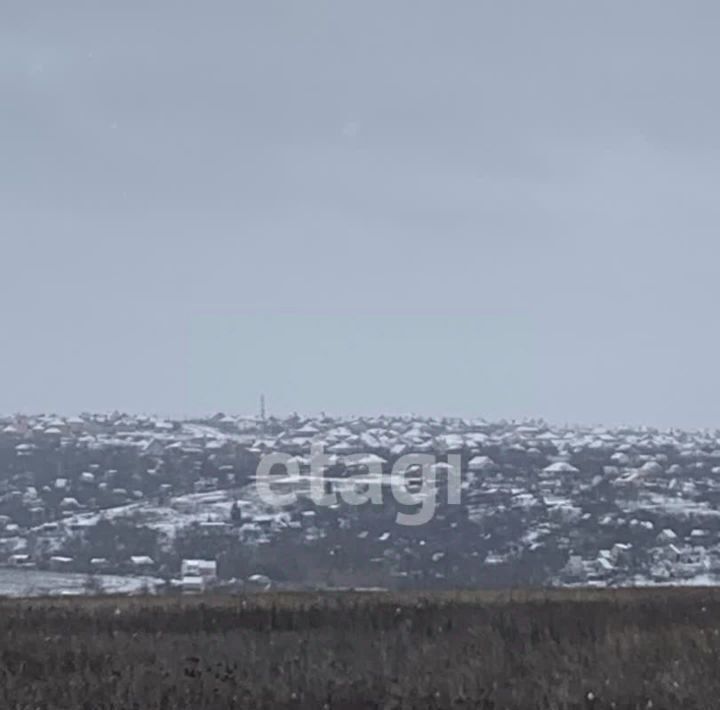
(468, 207)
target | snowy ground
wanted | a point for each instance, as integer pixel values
(681, 507)
(180, 512)
(34, 583)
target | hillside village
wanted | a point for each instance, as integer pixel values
(176, 503)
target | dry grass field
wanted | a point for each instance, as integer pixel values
(515, 650)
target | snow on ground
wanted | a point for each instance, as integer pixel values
(699, 580)
(183, 511)
(35, 583)
(670, 505)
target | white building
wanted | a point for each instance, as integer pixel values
(197, 575)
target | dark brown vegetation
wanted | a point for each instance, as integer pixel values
(565, 649)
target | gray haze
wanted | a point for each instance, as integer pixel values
(474, 208)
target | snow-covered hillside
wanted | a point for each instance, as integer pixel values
(538, 504)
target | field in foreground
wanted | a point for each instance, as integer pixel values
(565, 649)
